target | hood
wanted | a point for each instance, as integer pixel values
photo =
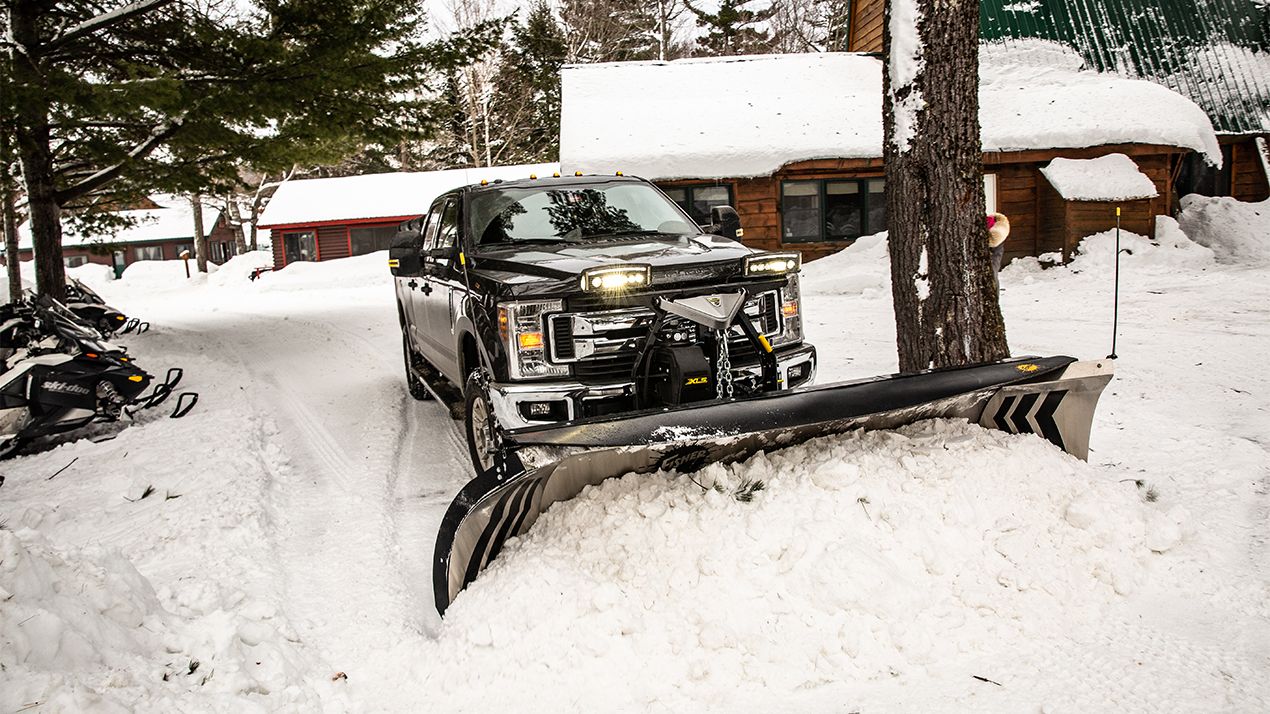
(559, 261)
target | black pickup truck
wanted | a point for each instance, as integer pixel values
(546, 300)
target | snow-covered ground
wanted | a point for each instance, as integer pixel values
(282, 558)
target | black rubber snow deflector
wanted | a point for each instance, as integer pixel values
(563, 459)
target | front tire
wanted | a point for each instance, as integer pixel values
(417, 388)
(484, 439)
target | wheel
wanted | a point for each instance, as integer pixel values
(416, 386)
(483, 433)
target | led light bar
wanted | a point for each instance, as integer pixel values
(611, 278)
(764, 264)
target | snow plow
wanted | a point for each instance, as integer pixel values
(1052, 397)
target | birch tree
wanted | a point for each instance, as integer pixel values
(943, 286)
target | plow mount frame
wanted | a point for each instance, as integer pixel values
(1052, 397)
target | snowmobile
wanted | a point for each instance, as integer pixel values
(59, 376)
(91, 308)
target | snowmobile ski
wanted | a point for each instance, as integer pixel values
(1052, 397)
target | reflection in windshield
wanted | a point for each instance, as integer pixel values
(574, 214)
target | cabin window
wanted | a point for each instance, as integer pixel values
(74, 261)
(832, 210)
(697, 201)
(365, 240)
(147, 252)
(299, 247)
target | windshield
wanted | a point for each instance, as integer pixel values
(574, 213)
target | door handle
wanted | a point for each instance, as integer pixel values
(412, 284)
(426, 289)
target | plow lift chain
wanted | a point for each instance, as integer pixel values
(723, 380)
(185, 401)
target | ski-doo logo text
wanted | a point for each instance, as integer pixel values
(65, 388)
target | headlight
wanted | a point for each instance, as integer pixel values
(520, 324)
(791, 313)
(612, 278)
(764, 264)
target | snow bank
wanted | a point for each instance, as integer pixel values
(237, 270)
(360, 271)
(862, 268)
(160, 275)
(1114, 177)
(1237, 232)
(1169, 252)
(866, 556)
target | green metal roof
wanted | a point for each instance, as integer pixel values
(1214, 51)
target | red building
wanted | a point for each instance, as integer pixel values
(329, 218)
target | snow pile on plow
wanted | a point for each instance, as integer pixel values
(857, 557)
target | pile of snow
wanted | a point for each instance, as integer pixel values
(1114, 177)
(238, 269)
(862, 268)
(1238, 232)
(1095, 257)
(864, 557)
(160, 275)
(360, 271)
(92, 274)
(779, 109)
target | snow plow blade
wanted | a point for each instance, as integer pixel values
(1052, 397)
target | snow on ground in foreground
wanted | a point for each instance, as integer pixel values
(873, 572)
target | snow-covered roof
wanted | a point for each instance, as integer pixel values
(393, 195)
(1113, 177)
(154, 224)
(750, 115)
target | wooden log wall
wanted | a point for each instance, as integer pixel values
(865, 34)
(1247, 174)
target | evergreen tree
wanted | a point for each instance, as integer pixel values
(734, 29)
(181, 97)
(526, 109)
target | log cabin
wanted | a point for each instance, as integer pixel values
(794, 142)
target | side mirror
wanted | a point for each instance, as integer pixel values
(727, 222)
(403, 253)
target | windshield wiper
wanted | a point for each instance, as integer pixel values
(633, 234)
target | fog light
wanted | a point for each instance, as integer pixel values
(762, 264)
(553, 410)
(798, 373)
(615, 278)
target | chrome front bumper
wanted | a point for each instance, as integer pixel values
(507, 397)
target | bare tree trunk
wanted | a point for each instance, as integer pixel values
(236, 222)
(33, 143)
(945, 292)
(200, 239)
(9, 219)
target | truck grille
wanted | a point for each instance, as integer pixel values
(603, 344)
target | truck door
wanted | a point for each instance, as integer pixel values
(412, 289)
(443, 273)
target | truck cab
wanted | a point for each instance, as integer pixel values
(545, 300)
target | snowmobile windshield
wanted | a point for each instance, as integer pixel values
(62, 322)
(575, 214)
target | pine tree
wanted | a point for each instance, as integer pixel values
(734, 29)
(526, 107)
(181, 97)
